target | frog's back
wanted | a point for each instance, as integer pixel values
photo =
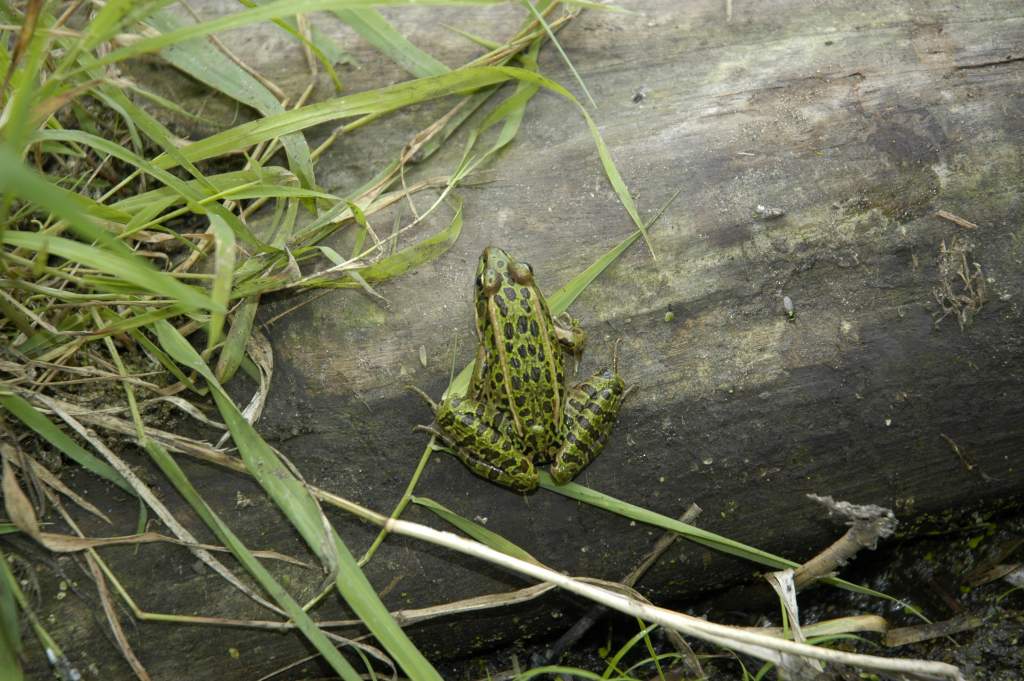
(524, 366)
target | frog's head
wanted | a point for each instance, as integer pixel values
(497, 267)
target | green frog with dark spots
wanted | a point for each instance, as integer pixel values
(517, 412)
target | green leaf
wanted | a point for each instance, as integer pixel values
(376, 30)
(18, 179)
(113, 17)
(10, 629)
(293, 498)
(130, 269)
(223, 269)
(381, 100)
(201, 60)
(709, 539)
(228, 538)
(419, 253)
(271, 10)
(477, 532)
(30, 416)
(159, 134)
(222, 183)
(238, 335)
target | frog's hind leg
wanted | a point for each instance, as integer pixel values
(484, 439)
(591, 409)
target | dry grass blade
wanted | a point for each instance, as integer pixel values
(115, 624)
(144, 493)
(52, 481)
(757, 645)
(294, 499)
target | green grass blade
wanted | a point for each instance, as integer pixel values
(222, 183)
(618, 185)
(228, 538)
(695, 534)
(295, 501)
(10, 631)
(113, 17)
(30, 416)
(165, 361)
(476, 531)
(223, 269)
(709, 539)
(205, 63)
(271, 10)
(260, 459)
(381, 100)
(560, 300)
(558, 46)
(376, 30)
(16, 178)
(238, 335)
(159, 134)
(419, 253)
(130, 269)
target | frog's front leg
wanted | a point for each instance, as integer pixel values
(570, 334)
(591, 409)
(484, 439)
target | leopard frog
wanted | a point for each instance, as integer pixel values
(518, 411)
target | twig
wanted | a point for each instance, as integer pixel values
(955, 219)
(868, 524)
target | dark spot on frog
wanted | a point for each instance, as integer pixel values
(502, 305)
(534, 328)
(521, 324)
(510, 293)
(535, 374)
(509, 331)
(525, 292)
(517, 383)
(522, 351)
(514, 361)
(521, 400)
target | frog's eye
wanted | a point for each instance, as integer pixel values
(489, 282)
(521, 273)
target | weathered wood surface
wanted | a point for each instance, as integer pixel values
(860, 119)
